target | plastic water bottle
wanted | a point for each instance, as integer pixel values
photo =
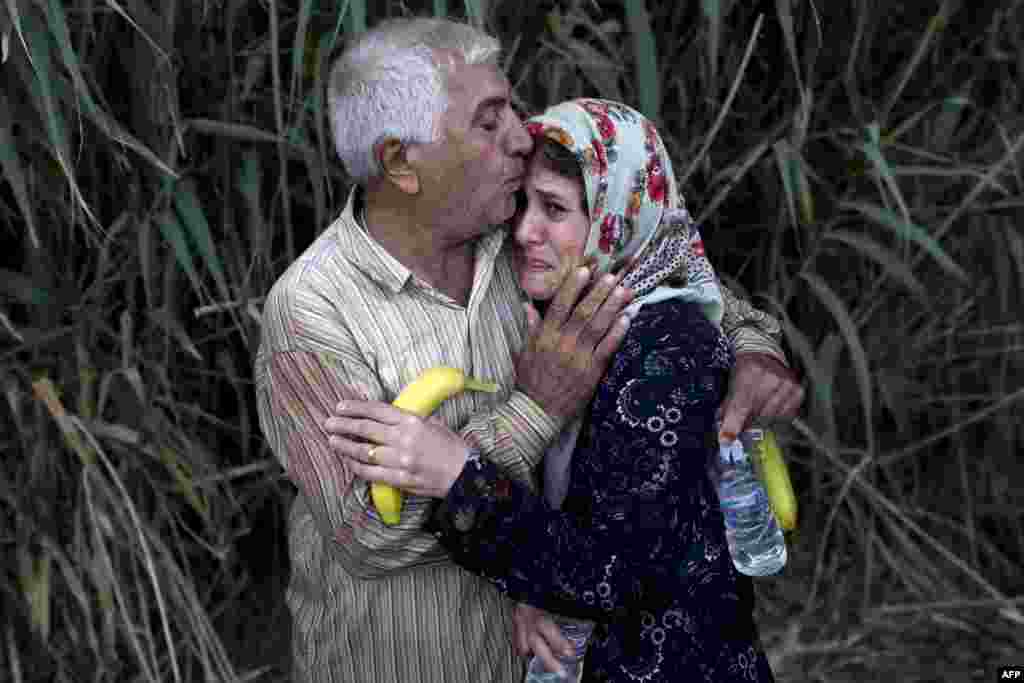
(755, 539)
(577, 632)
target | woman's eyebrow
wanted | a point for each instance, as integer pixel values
(550, 195)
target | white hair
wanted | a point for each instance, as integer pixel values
(391, 83)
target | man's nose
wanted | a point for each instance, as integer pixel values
(520, 142)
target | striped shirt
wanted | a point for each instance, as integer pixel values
(373, 603)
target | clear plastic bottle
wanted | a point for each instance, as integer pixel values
(576, 632)
(756, 543)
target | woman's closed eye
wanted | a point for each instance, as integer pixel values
(555, 210)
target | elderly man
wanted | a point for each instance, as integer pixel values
(416, 273)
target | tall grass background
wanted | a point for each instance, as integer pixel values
(856, 168)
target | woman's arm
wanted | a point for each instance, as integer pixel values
(644, 537)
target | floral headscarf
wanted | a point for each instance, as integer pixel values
(639, 221)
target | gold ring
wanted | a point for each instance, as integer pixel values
(371, 455)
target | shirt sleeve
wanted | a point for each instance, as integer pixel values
(296, 392)
(750, 330)
(650, 528)
(513, 436)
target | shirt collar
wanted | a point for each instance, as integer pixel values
(364, 252)
(373, 260)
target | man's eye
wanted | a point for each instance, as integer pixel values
(490, 122)
(554, 209)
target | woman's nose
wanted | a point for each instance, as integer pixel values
(529, 230)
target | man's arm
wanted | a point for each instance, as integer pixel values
(763, 385)
(296, 390)
(750, 330)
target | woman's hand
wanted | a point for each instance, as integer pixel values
(387, 445)
(534, 631)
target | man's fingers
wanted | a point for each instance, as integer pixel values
(532, 319)
(592, 300)
(365, 453)
(772, 408)
(378, 475)
(600, 324)
(735, 415)
(792, 407)
(519, 637)
(610, 344)
(540, 649)
(358, 429)
(562, 305)
(555, 640)
(373, 410)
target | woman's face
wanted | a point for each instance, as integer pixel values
(550, 230)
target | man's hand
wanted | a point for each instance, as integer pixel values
(421, 456)
(761, 387)
(566, 354)
(534, 631)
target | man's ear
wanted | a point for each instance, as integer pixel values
(392, 156)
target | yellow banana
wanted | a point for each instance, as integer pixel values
(422, 396)
(775, 477)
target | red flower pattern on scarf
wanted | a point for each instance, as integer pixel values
(657, 184)
(611, 233)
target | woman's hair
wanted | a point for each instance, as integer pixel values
(562, 160)
(392, 83)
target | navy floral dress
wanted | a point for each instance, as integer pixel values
(639, 544)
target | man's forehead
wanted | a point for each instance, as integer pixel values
(479, 81)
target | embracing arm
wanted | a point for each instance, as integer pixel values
(750, 330)
(645, 539)
(308, 361)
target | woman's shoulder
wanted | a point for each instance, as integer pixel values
(665, 338)
(665, 322)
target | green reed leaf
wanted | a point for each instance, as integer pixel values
(872, 149)
(174, 234)
(17, 287)
(787, 172)
(784, 9)
(301, 46)
(712, 10)
(191, 214)
(909, 231)
(848, 329)
(38, 45)
(886, 258)
(249, 181)
(10, 162)
(57, 23)
(645, 56)
(355, 19)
